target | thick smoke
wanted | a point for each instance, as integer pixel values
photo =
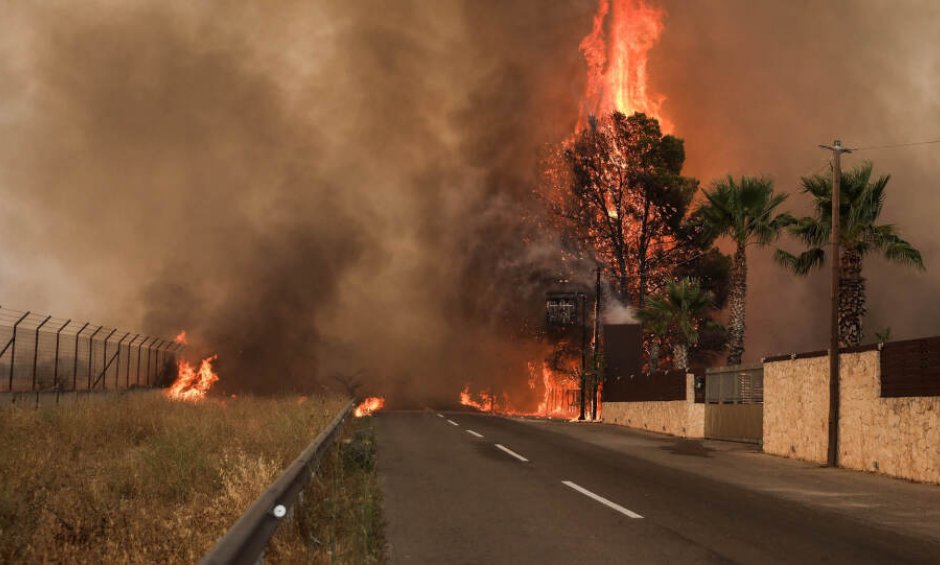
(329, 187)
(754, 86)
(306, 190)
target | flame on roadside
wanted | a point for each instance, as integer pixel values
(369, 406)
(181, 338)
(559, 395)
(193, 384)
(616, 53)
(486, 401)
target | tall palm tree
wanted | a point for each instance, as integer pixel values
(683, 308)
(861, 203)
(744, 211)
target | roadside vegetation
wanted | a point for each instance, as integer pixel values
(339, 519)
(136, 478)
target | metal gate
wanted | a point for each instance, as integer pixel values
(734, 403)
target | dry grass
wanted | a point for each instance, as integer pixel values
(340, 518)
(139, 479)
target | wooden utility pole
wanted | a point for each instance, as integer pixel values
(837, 149)
(596, 349)
(582, 304)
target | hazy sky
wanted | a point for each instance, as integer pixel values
(310, 186)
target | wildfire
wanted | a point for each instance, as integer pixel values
(181, 338)
(616, 53)
(191, 384)
(368, 406)
(559, 396)
(485, 404)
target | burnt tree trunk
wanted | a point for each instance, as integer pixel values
(851, 298)
(737, 301)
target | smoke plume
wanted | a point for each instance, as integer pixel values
(326, 187)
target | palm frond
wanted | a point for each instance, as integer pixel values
(803, 263)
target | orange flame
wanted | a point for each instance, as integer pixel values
(181, 338)
(485, 404)
(192, 385)
(616, 52)
(368, 406)
(559, 396)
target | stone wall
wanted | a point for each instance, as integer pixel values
(894, 436)
(796, 408)
(681, 418)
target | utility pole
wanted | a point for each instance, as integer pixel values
(596, 349)
(837, 149)
(582, 300)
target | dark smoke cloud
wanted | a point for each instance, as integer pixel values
(334, 186)
(306, 189)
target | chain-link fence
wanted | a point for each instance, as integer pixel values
(40, 353)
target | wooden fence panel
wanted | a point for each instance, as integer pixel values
(911, 368)
(663, 385)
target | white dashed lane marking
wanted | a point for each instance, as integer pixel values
(512, 453)
(601, 499)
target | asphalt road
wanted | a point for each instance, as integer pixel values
(472, 488)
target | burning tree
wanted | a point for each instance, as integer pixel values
(622, 195)
(618, 192)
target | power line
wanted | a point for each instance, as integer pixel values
(896, 145)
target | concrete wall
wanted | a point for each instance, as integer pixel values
(681, 418)
(895, 436)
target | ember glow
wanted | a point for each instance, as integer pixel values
(616, 53)
(369, 406)
(181, 338)
(191, 384)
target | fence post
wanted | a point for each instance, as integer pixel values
(157, 355)
(91, 353)
(117, 362)
(36, 349)
(127, 373)
(75, 359)
(104, 361)
(149, 353)
(139, 351)
(55, 370)
(13, 352)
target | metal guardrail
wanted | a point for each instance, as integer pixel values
(246, 540)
